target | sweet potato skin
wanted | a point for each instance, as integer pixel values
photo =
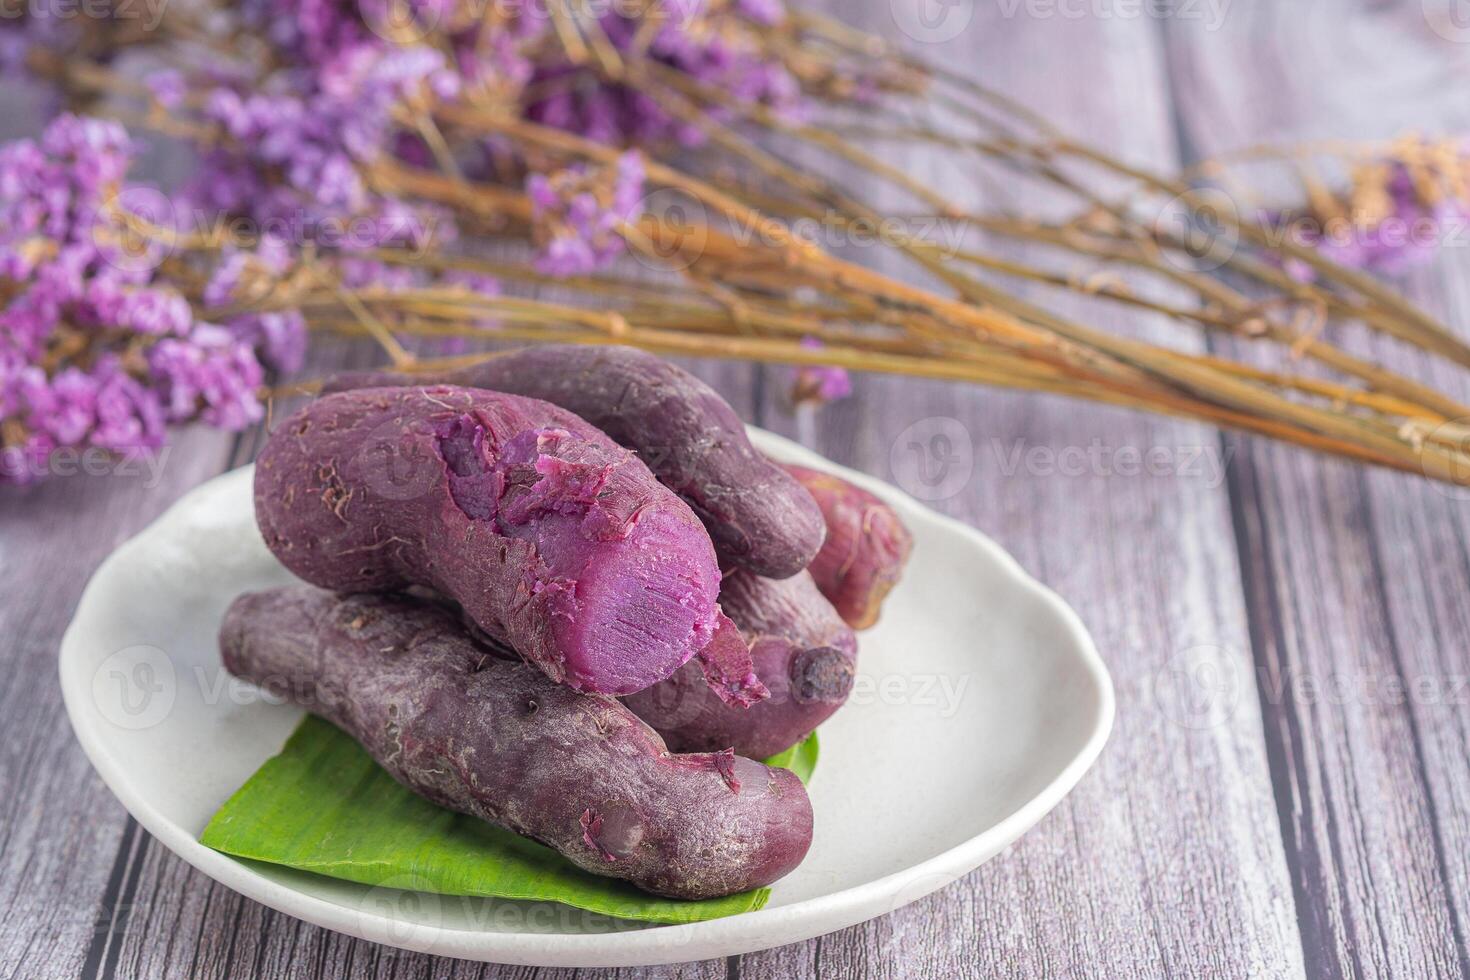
(803, 652)
(498, 740)
(759, 518)
(555, 540)
(865, 549)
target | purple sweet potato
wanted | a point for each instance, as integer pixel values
(803, 652)
(554, 539)
(496, 739)
(758, 516)
(865, 550)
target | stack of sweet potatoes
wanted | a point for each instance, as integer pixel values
(562, 592)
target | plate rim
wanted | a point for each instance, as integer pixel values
(747, 932)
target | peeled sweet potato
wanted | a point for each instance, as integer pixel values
(496, 739)
(865, 549)
(803, 652)
(554, 539)
(758, 516)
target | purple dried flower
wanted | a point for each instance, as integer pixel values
(718, 45)
(168, 87)
(220, 289)
(211, 374)
(1395, 214)
(103, 407)
(161, 312)
(819, 384)
(129, 415)
(279, 338)
(66, 409)
(36, 27)
(576, 214)
(298, 142)
(94, 351)
(15, 48)
(308, 29)
(767, 12)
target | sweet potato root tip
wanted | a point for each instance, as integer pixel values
(821, 674)
(800, 648)
(865, 550)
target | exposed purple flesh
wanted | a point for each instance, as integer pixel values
(803, 652)
(555, 540)
(758, 516)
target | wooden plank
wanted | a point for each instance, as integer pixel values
(1167, 860)
(1357, 581)
(201, 930)
(60, 829)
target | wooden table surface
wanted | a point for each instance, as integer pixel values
(1287, 789)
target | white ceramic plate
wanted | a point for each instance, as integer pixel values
(980, 703)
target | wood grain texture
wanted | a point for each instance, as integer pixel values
(1167, 859)
(1357, 581)
(1235, 825)
(60, 829)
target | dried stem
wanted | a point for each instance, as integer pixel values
(752, 288)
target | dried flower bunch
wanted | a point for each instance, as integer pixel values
(365, 158)
(97, 348)
(1393, 207)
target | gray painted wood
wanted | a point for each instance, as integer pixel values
(1186, 874)
(1357, 582)
(60, 830)
(1260, 832)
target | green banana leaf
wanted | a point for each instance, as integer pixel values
(324, 805)
(801, 758)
